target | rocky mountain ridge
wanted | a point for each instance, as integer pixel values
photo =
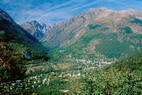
(107, 17)
(35, 28)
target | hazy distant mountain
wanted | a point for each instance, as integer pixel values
(36, 29)
(99, 32)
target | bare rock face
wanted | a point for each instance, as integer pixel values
(36, 29)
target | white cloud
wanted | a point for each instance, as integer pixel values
(54, 12)
(50, 14)
(6, 1)
(86, 5)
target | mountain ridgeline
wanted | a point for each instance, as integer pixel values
(98, 33)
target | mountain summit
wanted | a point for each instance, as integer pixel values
(36, 29)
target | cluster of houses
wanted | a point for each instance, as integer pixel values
(71, 74)
(100, 62)
(31, 82)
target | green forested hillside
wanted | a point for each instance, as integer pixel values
(97, 43)
(121, 78)
(17, 48)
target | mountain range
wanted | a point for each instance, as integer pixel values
(99, 32)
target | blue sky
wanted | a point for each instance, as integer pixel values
(54, 11)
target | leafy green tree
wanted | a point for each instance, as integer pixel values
(11, 63)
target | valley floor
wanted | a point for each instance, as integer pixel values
(51, 77)
(79, 77)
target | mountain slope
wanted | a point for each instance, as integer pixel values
(17, 47)
(16, 34)
(99, 32)
(36, 29)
